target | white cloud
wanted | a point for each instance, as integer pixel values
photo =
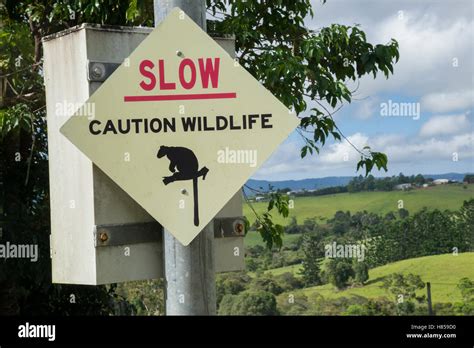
(445, 125)
(287, 163)
(385, 140)
(367, 108)
(450, 101)
(431, 149)
(341, 152)
(405, 154)
(427, 50)
(430, 36)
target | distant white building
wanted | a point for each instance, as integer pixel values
(294, 192)
(259, 198)
(440, 181)
(403, 187)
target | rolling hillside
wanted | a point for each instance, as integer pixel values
(443, 271)
(441, 197)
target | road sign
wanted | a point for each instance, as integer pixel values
(180, 126)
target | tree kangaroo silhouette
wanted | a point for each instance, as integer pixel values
(184, 166)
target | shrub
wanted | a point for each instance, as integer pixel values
(339, 271)
(249, 303)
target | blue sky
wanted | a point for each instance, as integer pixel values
(435, 70)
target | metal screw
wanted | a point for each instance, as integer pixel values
(184, 191)
(103, 237)
(98, 70)
(179, 53)
(239, 227)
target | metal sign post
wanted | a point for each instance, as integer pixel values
(189, 270)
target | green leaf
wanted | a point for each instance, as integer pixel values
(304, 151)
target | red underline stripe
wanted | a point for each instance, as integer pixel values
(144, 98)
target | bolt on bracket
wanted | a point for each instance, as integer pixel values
(152, 232)
(100, 71)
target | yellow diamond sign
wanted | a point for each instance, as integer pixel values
(180, 126)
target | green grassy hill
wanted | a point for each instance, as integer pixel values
(441, 197)
(443, 271)
(253, 238)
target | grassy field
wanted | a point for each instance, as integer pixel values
(253, 238)
(441, 197)
(323, 207)
(292, 269)
(443, 271)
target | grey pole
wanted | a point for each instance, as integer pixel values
(189, 270)
(194, 9)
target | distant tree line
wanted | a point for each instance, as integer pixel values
(324, 191)
(370, 183)
(469, 179)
